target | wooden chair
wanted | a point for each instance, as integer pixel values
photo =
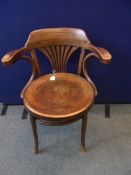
(68, 97)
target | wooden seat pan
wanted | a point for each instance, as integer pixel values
(65, 96)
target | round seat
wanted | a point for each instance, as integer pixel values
(65, 96)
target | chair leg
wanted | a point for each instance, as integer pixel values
(35, 134)
(83, 132)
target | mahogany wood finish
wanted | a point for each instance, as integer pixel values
(63, 97)
(34, 129)
(83, 133)
(68, 98)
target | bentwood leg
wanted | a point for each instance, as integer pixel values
(35, 134)
(83, 132)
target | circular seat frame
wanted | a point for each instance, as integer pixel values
(57, 120)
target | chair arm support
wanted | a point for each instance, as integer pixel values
(19, 54)
(11, 57)
(102, 54)
(85, 70)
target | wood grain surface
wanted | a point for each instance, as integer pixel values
(67, 95)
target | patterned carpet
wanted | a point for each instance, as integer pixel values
(108, 140)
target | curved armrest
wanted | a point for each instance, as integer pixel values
(86, 73)
(19, 54)
(13, 56)
(101, 53)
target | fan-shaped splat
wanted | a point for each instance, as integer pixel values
(58, 56)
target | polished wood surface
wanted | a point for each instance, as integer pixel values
(65, 96)
(57, 36)
(57, 44)
(69, 97)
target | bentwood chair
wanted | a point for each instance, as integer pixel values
(59, 98)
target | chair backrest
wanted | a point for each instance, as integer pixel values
(58, 44)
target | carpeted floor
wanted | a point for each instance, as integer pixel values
(109, 145)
